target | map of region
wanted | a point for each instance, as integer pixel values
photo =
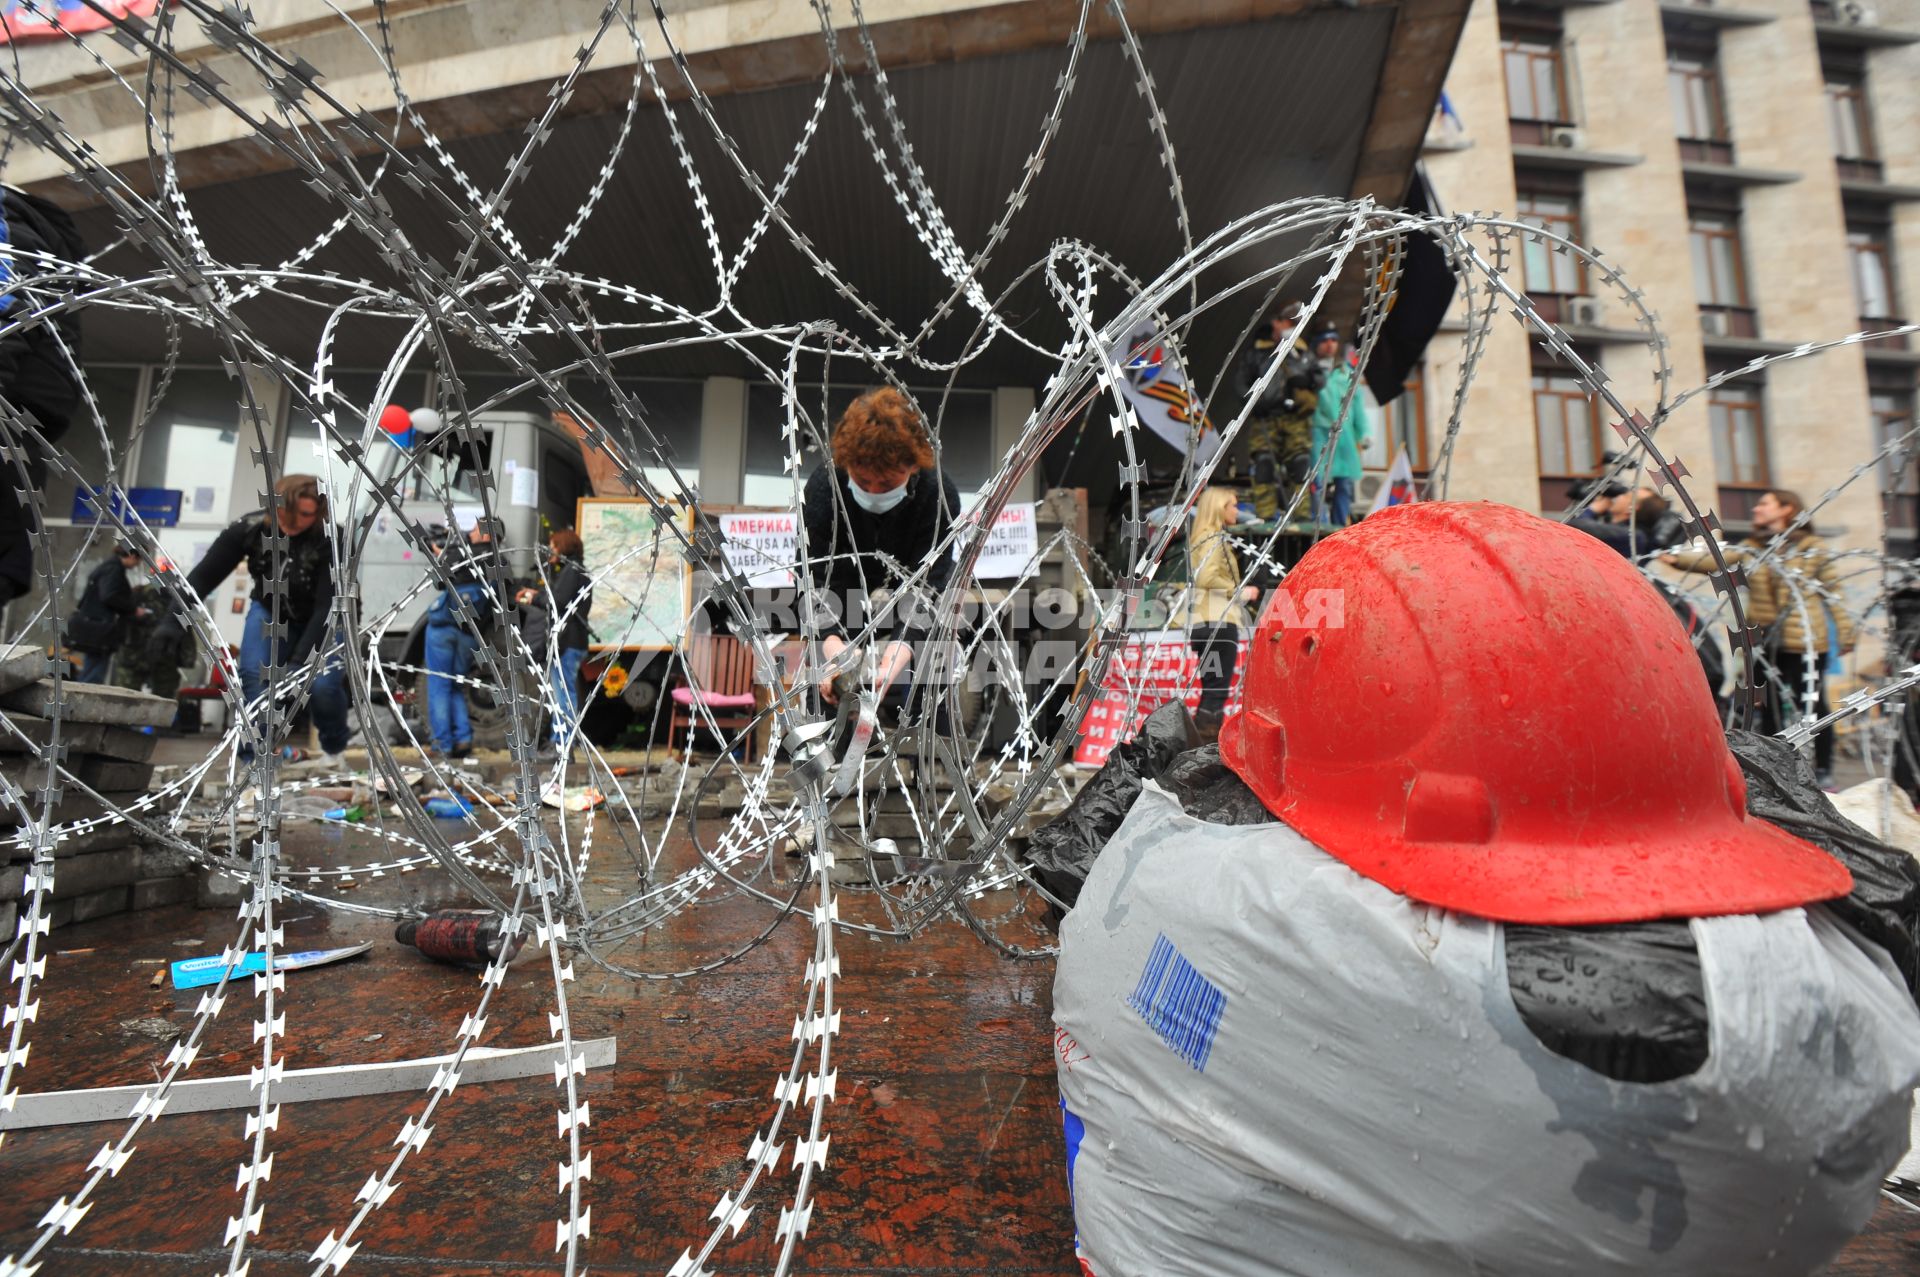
(640, 582)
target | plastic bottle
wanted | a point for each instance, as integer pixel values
(458, 935)
(351, 815)
(444, 808)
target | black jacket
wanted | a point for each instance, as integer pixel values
(308, 597)
(844, 549)
(1292, 389)
(35, 373)
(566, 581)
(99, 620)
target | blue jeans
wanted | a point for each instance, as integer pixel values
(93, 667)
(449, 654)
(564, 677)
(1336, 506)
(326, 698)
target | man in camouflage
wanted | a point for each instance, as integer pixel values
(1280, 433)
(140, 665)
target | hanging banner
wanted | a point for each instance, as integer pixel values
(57, 19)
(1012, 545)
(1152, 669)
(762, 545)
(1156, 386)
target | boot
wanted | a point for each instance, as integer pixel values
(1206, 724)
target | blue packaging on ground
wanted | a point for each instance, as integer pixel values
(192, 973)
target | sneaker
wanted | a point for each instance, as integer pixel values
(334, 762)
(461, 750)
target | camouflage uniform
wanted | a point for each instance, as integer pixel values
(1280, 432)
(135, 667)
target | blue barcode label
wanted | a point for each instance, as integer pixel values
(1178, 1003)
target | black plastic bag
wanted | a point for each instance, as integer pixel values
(1885, 903)
(1063, 850)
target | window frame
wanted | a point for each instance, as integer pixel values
(1878, 244)
(1536, 47)
(1723, 401)
(1850, 102)
(1706, 56)
(1568, 224)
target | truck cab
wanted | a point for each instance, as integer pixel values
(511, 445)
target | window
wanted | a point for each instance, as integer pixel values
(192, 443)
(1536, 80)
(115, 390)
(1900, 469)
(1872, 273)
(1849, 120)
(1699, 110)
(670, 409)
(1737, 416)
(1563, 416)
(1403, 424)
(1719, 274)
(1547, 268)
(301, 454)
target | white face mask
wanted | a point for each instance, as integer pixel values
(876, 502)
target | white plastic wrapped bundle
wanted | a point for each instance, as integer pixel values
(1271, 1064)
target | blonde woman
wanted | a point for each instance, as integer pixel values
(1213, 613)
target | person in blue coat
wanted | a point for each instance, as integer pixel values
(450, 643)
(1335, 476)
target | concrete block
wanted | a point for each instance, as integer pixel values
(100, 904)
(99, 871)
(103, 838)
(157, 893)
(164, 862)
(122, 743)
(105, 773)
(30, 731)
(213, 890)
(91, 703)
(73, 805)
(21, 664)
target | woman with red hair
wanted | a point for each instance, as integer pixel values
(879, 508)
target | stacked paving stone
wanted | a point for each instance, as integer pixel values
(110, 868)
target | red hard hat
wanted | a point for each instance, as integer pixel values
(1496, 714)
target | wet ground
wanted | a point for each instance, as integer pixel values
(945, 1158)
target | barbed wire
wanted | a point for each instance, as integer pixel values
(800, 829)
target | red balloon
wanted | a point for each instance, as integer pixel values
(395, 420)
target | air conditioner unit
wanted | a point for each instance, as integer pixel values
(1713, 323)
(1570, 139)
(1587, 312)
(1856, 14)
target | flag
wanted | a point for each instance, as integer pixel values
(1398, 489)
(1156, 385)
(1419, 304)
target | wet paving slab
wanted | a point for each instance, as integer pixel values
(946, 1151)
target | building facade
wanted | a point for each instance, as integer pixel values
(1747, 166)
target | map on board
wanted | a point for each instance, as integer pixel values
(641, 590)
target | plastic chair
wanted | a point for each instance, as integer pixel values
(720, 681)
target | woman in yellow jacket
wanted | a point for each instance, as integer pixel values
(1791, 598)
(1213, 612)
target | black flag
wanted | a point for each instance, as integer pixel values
(1425, 292)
